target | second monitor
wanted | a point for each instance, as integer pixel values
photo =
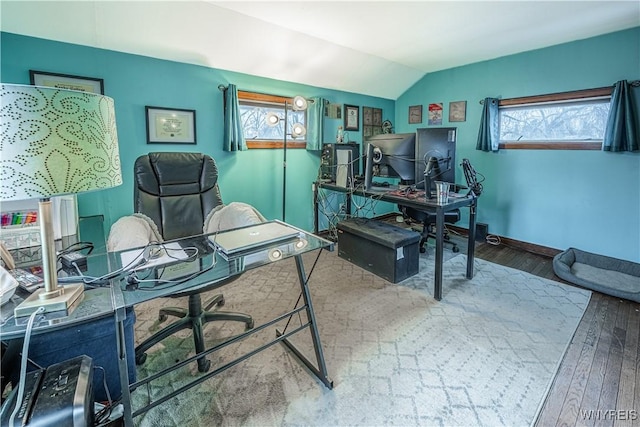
(390, 156)
(435, 157)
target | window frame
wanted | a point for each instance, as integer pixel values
(256, 97)
(576, 95)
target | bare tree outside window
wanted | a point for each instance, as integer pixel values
(254, 108)
(577, 121)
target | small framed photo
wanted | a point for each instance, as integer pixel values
(415, 114)
(458, 111)
(351, 117)
(67, 81)
(435, 113)
(170, 125)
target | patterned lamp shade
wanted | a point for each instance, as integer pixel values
(55, 142)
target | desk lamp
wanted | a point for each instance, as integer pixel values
(297, 131)
(55, 142)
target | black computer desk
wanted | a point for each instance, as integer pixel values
(386, 194)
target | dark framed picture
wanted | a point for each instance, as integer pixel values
(458, 111)
(351, 117)
(170, 125)
(367, 116)
(67, 81)
(415, 114)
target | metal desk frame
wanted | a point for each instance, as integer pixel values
(418, 204)
(122, 300)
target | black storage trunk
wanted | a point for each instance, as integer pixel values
(385, 250)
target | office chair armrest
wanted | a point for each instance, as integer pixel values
(233, 215)
(132, 231)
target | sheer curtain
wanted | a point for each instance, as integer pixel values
(621, 133)
(315, 128)
(233, 134)
(488, 135)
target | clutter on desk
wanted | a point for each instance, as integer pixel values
(8, 285)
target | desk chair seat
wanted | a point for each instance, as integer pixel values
(428, 221)
(177, 191)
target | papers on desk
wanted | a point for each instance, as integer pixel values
(168, 254)
(171, 262)
(457, 195)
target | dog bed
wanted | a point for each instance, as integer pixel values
(611, 276)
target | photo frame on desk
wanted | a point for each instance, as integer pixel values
(67, 81)
(170, 125)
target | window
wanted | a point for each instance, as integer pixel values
(254, 108)
(570, 120)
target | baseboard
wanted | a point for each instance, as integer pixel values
(518, 244)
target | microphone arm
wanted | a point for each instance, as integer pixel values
(431, 163)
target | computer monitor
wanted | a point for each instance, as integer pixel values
(436, 154)
(391, 156)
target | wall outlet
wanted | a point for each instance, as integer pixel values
(482, 230)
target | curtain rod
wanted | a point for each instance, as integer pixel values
(223, 88)
(634, 83)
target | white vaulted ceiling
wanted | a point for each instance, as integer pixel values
(370, 47)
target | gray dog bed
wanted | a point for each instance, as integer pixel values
(610, 276)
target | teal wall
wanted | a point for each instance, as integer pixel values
(253, 176)
(559, 199)
(585, 199)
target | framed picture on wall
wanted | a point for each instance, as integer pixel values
(458, 111)
(170, 125)
(67, 81)
(415, 114)
(351, 117)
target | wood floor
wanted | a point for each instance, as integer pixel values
(598, 383)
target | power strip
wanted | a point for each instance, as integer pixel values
(68, 261)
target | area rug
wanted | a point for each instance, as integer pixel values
(484, 355)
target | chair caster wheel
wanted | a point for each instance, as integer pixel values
(221, 302)
(140, 359)
(249, 325)
(162, 317)
(204, 365)
(423, 250)
(456, 249)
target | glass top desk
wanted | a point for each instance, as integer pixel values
(420, 204)
(208, 269)
(211, 268)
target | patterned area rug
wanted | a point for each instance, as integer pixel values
(484, 356)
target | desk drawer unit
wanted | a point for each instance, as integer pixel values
(385, 250)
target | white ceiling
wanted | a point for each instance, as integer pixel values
(378, 48)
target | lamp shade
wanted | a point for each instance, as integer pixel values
(298, 130)
(272, 118)
(56, 142)
(299, 103)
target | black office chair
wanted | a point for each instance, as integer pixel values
(428, 222)
(177, 191)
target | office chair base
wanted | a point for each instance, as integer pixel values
(180, 312)
(447, 239)
(193, 318)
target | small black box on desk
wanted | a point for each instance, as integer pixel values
(385, 250)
